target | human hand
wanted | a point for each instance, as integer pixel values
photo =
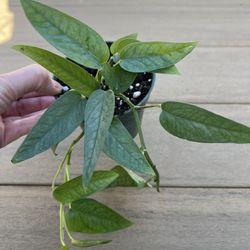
(25, 94)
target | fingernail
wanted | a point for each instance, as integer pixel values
(58, 85)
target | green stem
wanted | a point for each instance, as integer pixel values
(157, 175)
(137, 121)
(148, 106)
(67, 231)
(58, 172)
(61, 228)
(143, 145)
(67, 167)
(69, 151)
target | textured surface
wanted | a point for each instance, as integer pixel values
(215, 75)
(177, 218)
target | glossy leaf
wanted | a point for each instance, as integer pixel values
(89, 243)
(196, 124)
(73, 189)
(98, 116)
(120, 146)
(122, 42)
(73, 38)
(60, 120)
(169, 70)
(127, 178)
(70, 73)
(150, 56)
(117, 78)
(91, 216)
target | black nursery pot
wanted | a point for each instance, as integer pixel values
(127, 118)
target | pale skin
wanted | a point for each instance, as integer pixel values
(25, 94)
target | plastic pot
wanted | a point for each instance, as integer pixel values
(128, 119)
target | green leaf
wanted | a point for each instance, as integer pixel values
(196, 124)
(98, 116)
(91, 216)
(120, 146)
(117, 78)
(89, 243)
(150, 56)
(127, 178)
(64, 248)
(70, 73)
(73, 189)
(73, 38)
(169, 70)
(60, 120)
(122, 42)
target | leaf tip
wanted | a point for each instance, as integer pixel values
(194, 44)
(15, 159)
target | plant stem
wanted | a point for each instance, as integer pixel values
(157, 175)
(61, 227)
(137, 120)
(68, 232)
(69, 151)
(58, 172)
(67, 167)
(148, 106)
(67, 159)
(143, 145)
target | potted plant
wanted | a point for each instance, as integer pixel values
(112, 87)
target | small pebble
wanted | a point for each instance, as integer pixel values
(131, 87)
(137, 84)
(150, 80)
(136, 94)
(65, 89)
(121, 102)
(118, 98)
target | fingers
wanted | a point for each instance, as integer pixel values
(28, 105)
(19, 126)
(21, 82)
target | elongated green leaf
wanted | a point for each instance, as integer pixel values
(98, 116)
(73, 38)
(127, 178)
(122, 42)
(150, 56)
(91, 216)
(196, 124)
(117, 78)
(169, 70)
(120, 146)
(60, 120)
(70, 73)
(73, 189)
(89, 243)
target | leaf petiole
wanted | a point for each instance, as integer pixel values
(143, 145)
(61, 222)
(148, 106)
(67, 158)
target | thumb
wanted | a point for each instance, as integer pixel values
(32, 78)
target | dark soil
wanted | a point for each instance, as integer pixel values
(136, 92)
